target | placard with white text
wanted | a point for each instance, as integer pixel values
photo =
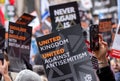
(64, 15)
(65, 56)
(19, 41)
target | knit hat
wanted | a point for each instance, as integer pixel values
(27, 75)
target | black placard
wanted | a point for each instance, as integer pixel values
(65, 57)
(19, 41)
(2, 44)
(64, 15)
(2, 39)
(25, 19)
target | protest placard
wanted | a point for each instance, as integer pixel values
(19, 41)
(2, 40)
(64, 15)
(65, 56)
(25, 19)
(2, 45)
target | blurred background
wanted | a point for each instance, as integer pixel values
(91, 11)
(10, 10)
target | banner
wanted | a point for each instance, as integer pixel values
(19, 42)
(25, 19)
(65, 56)
(105, 26)
(64, 15)
(115, 51)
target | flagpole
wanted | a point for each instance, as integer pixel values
(38, 8)
(118, 3)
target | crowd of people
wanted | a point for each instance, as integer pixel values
(108, 67)
(104, 73)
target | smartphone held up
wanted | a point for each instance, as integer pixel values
(94, 37)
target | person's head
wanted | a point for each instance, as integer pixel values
(115, 64)
(85, 23)
(27, 75)
(39, 69)
(46, 31)
(45, 28)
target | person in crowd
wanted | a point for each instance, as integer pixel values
(39, 69)
(38, 59)
(24, 75)
(95, 19)
(4, 70)
(104, 72)
(34, 50)
(27, 75)
(6, 65)
(46, 26)
(115, 65)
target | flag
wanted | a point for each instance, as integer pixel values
(2, 19)
(44, 9)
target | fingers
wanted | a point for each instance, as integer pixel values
(5, 63)
(101, 42)
(0, 62)
(100, 38)
(104, 43)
